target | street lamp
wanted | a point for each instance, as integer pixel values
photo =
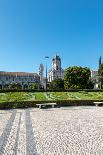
(46, 57)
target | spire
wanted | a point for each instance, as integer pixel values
(100, 61)
(56, 57)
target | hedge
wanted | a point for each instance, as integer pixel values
(41, 90)
(29, 104)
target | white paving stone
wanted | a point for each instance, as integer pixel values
(21, 147)
(58, 131)
(4, 117)
(9, 148)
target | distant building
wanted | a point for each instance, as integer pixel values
(94, 78)
(41, 74)
(24, 79)
(56, 71)
(94, 73)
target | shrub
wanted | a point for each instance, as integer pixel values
(29, 104)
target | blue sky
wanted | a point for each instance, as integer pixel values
(32, 29)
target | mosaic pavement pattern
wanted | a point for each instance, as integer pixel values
(62, 131)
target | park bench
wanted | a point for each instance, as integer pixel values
(46, 105)
(97, 103)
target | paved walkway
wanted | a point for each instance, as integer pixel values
(62, 131)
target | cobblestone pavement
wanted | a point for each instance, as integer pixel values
(58, 131)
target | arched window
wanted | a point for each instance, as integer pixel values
(25, 86)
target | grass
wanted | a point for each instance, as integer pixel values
(40, 96)
(43, 96)
(14, 96)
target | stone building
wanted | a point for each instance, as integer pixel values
(41, 74)
(56, 71)
(94, 78)
(22, 78)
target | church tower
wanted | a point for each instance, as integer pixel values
(56, 63)
(56, 71)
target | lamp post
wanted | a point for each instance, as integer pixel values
(46, 57)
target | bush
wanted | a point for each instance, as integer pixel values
(29, 104)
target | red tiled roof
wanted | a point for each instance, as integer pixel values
(18, 74)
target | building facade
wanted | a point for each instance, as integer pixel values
(94, 78)
(41, 75)
(56, 71)
(22, 78)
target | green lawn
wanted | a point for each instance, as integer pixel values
(28, 96)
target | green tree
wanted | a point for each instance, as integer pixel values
(6, 86)
(100, 70)
(15, 86)
(100, 75)
(34, 86)
(77, 78)
(57, 84)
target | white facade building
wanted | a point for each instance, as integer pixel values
(94, 73)
(56, 72)
(94, 78)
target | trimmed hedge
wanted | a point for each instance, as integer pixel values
(42, 90)
(29, 104)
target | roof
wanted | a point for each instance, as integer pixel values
(56, 57)
(94, 71)
(18, 74)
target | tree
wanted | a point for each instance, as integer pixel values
(100, 75)
(100, 61)
(34, 86)
(15, 86)
(77, 78)
(100, 70)
(6, 86)
(57, 84)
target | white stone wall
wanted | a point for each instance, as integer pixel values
(94, 78)
(55, 74)
(94, 73)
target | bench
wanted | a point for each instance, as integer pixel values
(45, 105)
(97, 103)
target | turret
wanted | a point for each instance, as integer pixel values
(41, 73)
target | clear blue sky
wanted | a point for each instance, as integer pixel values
(32, 29)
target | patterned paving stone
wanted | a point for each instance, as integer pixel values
(62, 131)
(21, 140)
(6, 132)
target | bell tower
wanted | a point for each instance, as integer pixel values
(56, 72)
(56, 63)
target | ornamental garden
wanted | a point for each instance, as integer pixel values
(76, 84)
